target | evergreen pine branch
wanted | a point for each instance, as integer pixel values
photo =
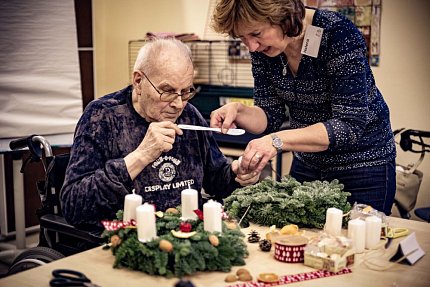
(287, 202)
(188, 256)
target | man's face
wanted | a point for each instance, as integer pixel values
(174, 75)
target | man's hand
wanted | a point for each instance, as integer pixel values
(158, 139)
(242, 177)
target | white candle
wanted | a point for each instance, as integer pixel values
(212, 216)
(131, 201)
(189, 203)
(357, 232)
(333, 221)
(373, 231)
(146, 230)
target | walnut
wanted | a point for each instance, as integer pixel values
(245, 277)
(230, 278)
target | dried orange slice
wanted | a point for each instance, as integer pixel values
(268, 277)
(180, 234)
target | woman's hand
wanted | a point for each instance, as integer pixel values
(232, 115)
(225, 117)
(242, 177)
(257, 153)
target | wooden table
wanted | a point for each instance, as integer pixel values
(97, 265)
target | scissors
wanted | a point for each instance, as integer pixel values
(395, 233)
(67, 277)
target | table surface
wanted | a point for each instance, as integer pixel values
(97, 265)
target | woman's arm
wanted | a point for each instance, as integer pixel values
(252, 119)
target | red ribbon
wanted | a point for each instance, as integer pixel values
(116, 224)
(287, 279)
(199, 213)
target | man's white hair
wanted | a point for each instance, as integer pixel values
(150, 52)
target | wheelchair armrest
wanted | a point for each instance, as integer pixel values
(58, 224)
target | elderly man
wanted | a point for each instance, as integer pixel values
(130, 140)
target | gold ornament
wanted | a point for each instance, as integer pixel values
(172, 210)
(115, 240)
(213, 239)
(165, 245)
(231, 225)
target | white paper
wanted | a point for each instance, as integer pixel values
(408, 245)
(40, 89)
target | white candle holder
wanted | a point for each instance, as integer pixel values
(131, 201)
(373, 231)
(146, 229)
(357, 233)
(333, 222)
(212, 216)
(189, 203)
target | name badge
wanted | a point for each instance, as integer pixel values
(312, 41)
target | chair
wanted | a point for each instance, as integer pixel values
(411, 141)
(423, 213)
(57, 238)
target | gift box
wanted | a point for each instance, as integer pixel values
(329, 253)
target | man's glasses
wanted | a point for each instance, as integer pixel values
(167, 96)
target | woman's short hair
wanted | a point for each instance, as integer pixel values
(288, 14)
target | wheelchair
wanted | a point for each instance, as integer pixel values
(411, 141)
(57, 238)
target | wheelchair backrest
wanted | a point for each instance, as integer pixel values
(49, 189)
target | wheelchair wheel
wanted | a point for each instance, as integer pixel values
(33, 257)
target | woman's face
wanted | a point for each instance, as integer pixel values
(263, 37)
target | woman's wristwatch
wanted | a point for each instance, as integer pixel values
(276, 142)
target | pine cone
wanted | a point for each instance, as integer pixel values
(253, 236)
(265, 245)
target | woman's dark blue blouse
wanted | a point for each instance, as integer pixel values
(336, 88)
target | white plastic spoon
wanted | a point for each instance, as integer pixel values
(233, 132)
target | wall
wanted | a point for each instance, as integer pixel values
(403, 74)
(117, 22)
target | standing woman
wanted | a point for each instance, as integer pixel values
(311, 64)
